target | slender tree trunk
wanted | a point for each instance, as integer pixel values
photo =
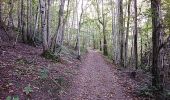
(117, 47)
(121, 31)
(79, 27)
(141, 50)
(43, 25)
(72, 24)
(131, 61)
(65, 21)
(31, 22)
(104, 42)
(10, 19)
(24, 37)
(61, 24)
(57, 40)
(19, 15)
(48, 19)
(36, 21)
(28, 14)
(127, 35)
(136, 35)
(113, 31)
(105, 52)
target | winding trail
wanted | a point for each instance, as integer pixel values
(96, 81)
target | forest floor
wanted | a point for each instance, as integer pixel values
(25, 74)
(98, 79)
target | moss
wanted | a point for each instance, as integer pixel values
(50, 55)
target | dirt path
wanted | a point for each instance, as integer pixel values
(96, 81)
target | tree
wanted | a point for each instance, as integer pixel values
(102, 21)
(48, 19)
(43, 25)
(65, 20)
(22, 26)
(120, 33)
(127, 34)
(135, 35)
(36, 22)
(19, 15)
(57, 40)
(31, 36)
(156, 33)
(10, 18)
(28, 21)
(79, 27)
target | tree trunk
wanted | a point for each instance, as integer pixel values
(132, 52)
(48, 19)
(105, 52)
(141, 50)
(57, 40)
(43, 25)
(31, 22)
(113, 31)
(127, 35)
(24, 37)
(28, 21)
(10, 18)
(156, 32)
(65, 21)
(136, 35)
(19, 15)
(36, 22)
(120, 31)
(79, 27)
(72, 25)
(61, 24)
(100, 45)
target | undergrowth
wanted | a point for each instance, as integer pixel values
(149, 92)
(50, 55)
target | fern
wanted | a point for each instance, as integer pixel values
(27, 90)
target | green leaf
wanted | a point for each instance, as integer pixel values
(44, 73)
(8, 98)
(15, 98)
(28, 89)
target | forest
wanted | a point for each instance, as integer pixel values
(84, 49)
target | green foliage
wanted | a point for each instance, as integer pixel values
(147, 91)
(166, 8)
(27, 90)
(21, 61)
(44, 73)
(83, 50)
(14, 98)
(50, 55)
(60, 80)
(8, 98)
